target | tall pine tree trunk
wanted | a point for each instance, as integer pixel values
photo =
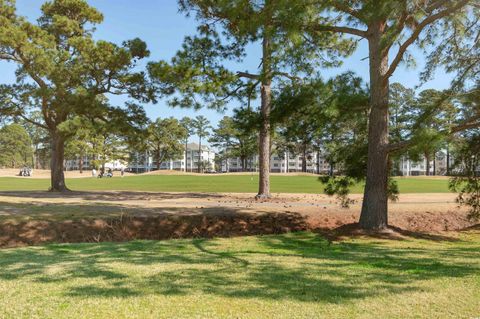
(199, 153)
(80, 164)
(427, 164)
(304, 159)
(286, 161)
(448, 160)
(57, 175)
(186, 151)
(374, 213)
(318, 162)
(266, 100)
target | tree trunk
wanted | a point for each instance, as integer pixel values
(448, 160)
(434, 163)
(137, 163)
(304, 159)
(331, 163)
(57, 175)
(80, 164)
(287, 163)
(266, 100)
(374, 213)
(186, 151)
(159, 162)
(427, 164)
(199, 153)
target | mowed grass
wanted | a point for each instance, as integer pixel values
(212, 183)
(296, 275)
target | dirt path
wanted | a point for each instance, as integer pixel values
(38, 217)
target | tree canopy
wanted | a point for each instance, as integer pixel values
(15, 146)
(64, 73)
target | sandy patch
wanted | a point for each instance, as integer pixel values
(43, 173)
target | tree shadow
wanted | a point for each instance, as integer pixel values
(302, 266)
(110, 195)
(472, 228)
(353, 230)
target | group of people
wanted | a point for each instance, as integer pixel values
(26, 172)
(109, 173)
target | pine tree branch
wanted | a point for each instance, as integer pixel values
(340, 29)
(248, 75)
(288, 76)
(341, 6)
(26, 119)
(471, 123)
(416, 33)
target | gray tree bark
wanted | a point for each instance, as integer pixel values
(374, 213)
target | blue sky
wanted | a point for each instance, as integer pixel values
(159, 23)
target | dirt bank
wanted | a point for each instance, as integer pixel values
(30, 218)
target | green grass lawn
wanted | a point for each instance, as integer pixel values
(287, 276)
(211, 183)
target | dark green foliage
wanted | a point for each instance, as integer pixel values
(15, 146)
(235, 137)
(393, 190)
(339, 186)
(467, 179)
(65, 73)
(327, 116)
(164, 139)
(459, 51)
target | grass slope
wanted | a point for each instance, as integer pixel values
(287, 276)
(210, 183)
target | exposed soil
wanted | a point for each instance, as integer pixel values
(31, 218)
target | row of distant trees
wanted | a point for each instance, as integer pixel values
(307, 129)
(67, 75)
(23, 144)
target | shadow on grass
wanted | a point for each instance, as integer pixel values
(301, 266)
(110, 195)
(391, 233)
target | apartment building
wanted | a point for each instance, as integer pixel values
(86, 163)
(438, 166)
(145, 162)
(284, 163)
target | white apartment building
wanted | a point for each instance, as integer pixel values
(145, 162)
(287, 163)
(74, 165)
(438, 166)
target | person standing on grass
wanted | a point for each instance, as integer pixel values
(94, 172)
(122, 172)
